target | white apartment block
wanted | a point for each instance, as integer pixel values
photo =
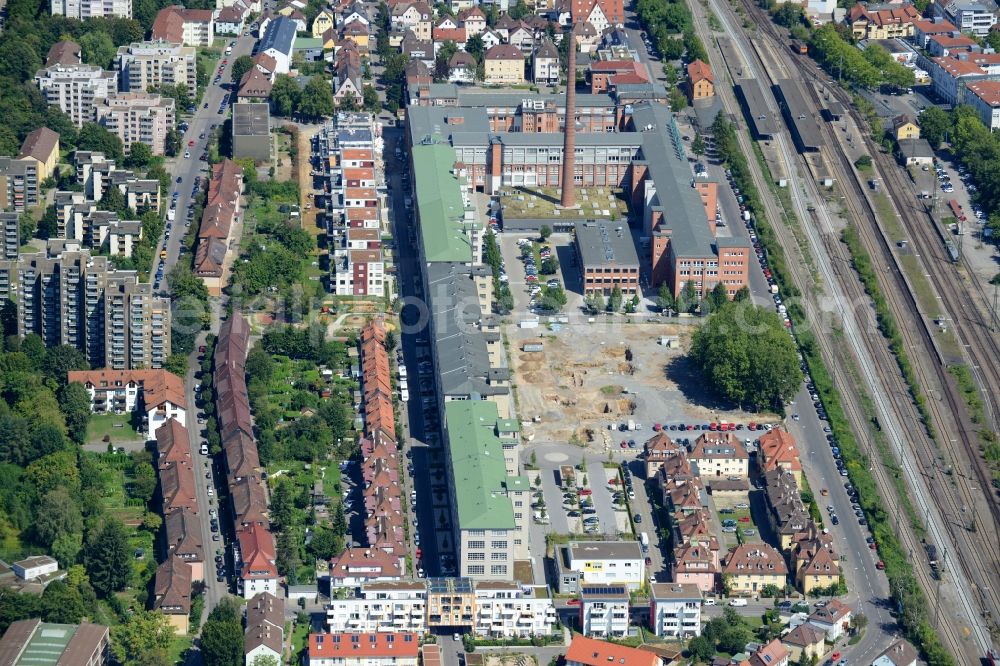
(85, 9)
(76, 89)
(146, 64)
(138, 117)
(509, 610)
(581, 563)
(675, 610)
(380, 607)
(604, 611)
(969, 17)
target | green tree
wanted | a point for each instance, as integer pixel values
(95, 137)
(264, 660)
(935, 123)
(324, 544)
(550, 266)
(664, 299)
(66, 549)
(505, 299)
(371, 101)
(474, 47)
(747, 356)
(444, 54)
(97, 48)
(61, 360)
(62, 603)
(142, 634)
(57, 514)
(259, 364)
(348, 103)
(139, 156)
(173, 142)
(285, 95)
(317, 99)
(339, 523)
(718, 297)
(742, 294)
(615, 301)
(519, 11)
(698, 145)
(544, 232)
(241, 66)
(594, 303)
(701, 649)
(552, 299)
(107, 557)
(114, 200)
(678, 100)
(282, 504)
(222, 635)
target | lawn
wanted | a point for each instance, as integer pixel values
(117, 427)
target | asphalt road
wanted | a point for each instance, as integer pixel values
(429, 477)
(187, 169)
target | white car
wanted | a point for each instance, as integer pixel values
(211, 491)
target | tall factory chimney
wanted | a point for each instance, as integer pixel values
(568, 199)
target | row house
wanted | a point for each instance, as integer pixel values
(183, 540)
(356, 567)
(264, 637)
(222, 211)
(255, 555)
(172, 589)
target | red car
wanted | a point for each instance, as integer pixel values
(419, 553)
(586, 491)
(201, 349)
(745, 519)
(713, 426)
(190, 143)
(624, 444)
(657, 427)
(880, 565)
(573, 602)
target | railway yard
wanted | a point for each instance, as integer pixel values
(941, 312)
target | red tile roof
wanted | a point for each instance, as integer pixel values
(158, 386)
(592, 652)
(257, 552)
(361, 646)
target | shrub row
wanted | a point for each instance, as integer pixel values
(887, 323)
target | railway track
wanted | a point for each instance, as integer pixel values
(975, 549)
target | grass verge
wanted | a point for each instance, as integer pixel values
(887, 324)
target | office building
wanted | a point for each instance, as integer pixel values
(607, 258)
(675, 610)
(604, 610)
(85, 9)
(144, 65)
(36, 643)
(251, 130)
(67, 296)
(138, 117)
(76, 89)
(490, 509)
(381, 607)
(580, 563)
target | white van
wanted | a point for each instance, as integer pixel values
(738, 602)
(204, 449)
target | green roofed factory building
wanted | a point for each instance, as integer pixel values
(490, 508)
(451, 230)
(37, 643)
